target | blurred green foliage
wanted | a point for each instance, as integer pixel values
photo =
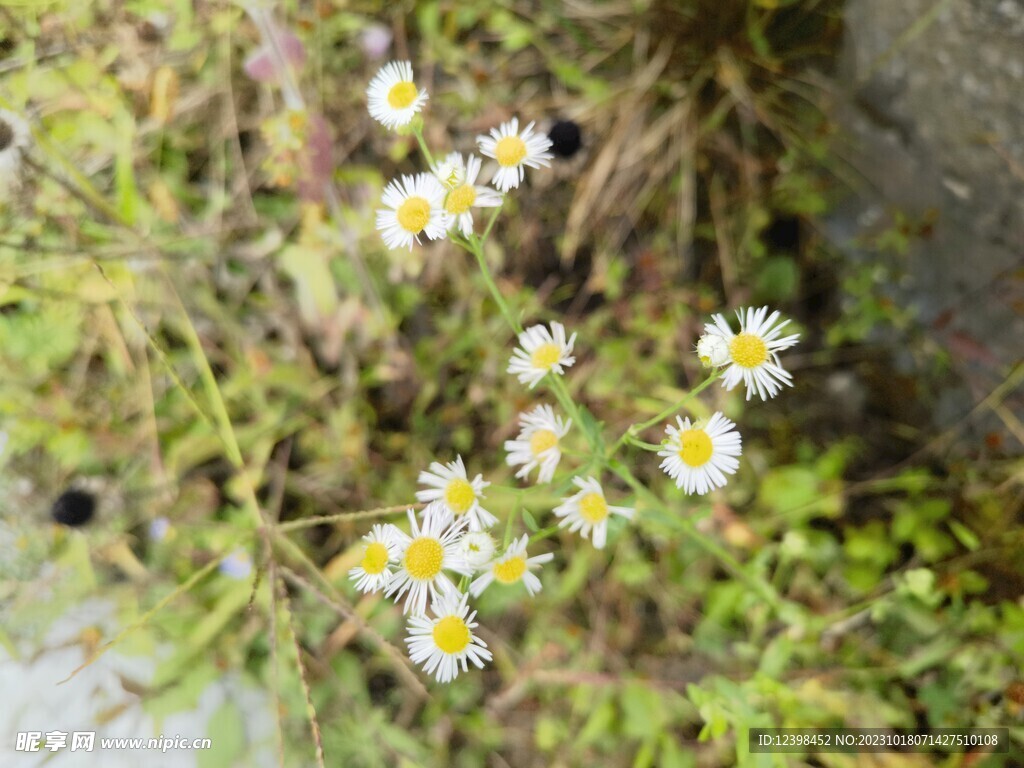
(161, 300)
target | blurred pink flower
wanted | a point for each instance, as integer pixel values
(376, 41)
(316, 161)
(261, 65)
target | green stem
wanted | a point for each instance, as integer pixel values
(508, 526)
(561, 391)
(555, 382)
(544, 533)
(708, 544)
(642, 444)
(473, 246)
(635, 429)
(225, 429)
(490, 223)
(418, 132)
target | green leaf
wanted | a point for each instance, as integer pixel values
(600, 723)
(645, 755)
(920, 582)
(591, 426)
(673, 756)
(124, 170)
(230, 604)
(226, 731)
(643, 711)
(183, 694)
(530, 521)
(964, 535)
(793, 491)
(549, 733)
(778, 279)
(934, 654)
(775, 659)
(574, 577)
(309, 269)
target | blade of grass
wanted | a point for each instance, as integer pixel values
(181, 589)
(338, 602)
(363, 514)
(314, 723)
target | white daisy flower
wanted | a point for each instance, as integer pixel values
(541, 351)
(752, 351)
(14, 137)
(392, 97)
(415, 205)
(538, 443)
(698, 456)
(477, 549)
(713, 351)
(447, 641)
(463, 192)
(451, 171)
(512, 567)
(423, 557)
(374, 570)
(451, 487)
(514, 150)
(588, 510)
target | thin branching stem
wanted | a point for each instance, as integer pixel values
(545, 533)
(490, 222)
(362, 514)
(418, 133)
(707, 543)
(311, 715)
(473, 245)
(635, 429)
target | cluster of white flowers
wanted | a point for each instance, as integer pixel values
(449, 555)
(451, 537)
(435, 203)
(418, 566)
(752, 354)
(699, 456)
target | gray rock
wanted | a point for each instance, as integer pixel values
(935, 105)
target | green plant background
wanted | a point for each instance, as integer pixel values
(199, 344)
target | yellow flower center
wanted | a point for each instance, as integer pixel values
(297, 121)
(545, 356)
(695, 447)
(423, 559)
(459, 496)
(747, 350)
(402, 95)
(414, 214)
(460, 200)
(375, 559)
(510, 151)
(510, 571)
(593, 508)
(541, 440)
(451, 634)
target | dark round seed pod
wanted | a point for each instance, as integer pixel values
(566, 138)
(6, 134)
(74, 508)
